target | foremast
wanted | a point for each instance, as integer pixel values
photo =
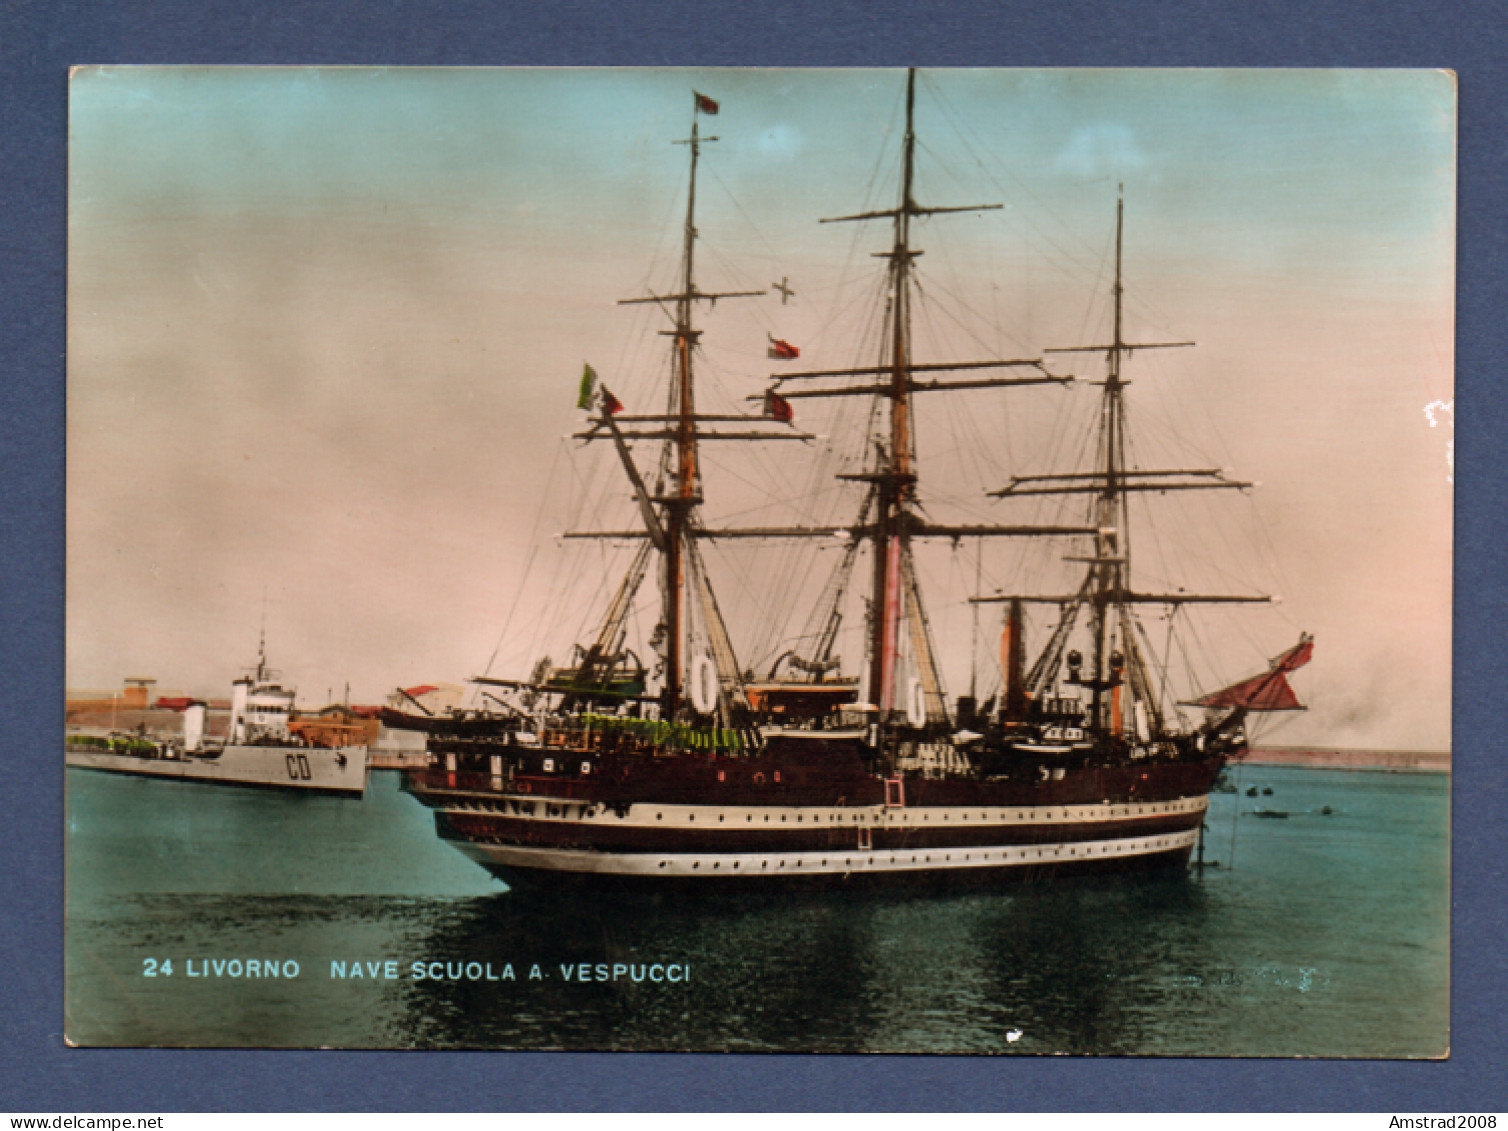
(685, 495)
(670, 506)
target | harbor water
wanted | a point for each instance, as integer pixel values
(201, 915)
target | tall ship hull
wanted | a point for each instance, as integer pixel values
(783, 820)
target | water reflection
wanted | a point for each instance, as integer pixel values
(1069, 967)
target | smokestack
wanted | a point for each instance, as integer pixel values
(1013, 663)
(193, 727)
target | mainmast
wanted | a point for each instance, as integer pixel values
(895, 482)
(894, 594)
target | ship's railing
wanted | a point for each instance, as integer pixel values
(588, 732)
(137, 746)
(473, 781)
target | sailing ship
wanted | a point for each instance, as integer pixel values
(259, 748)
(697, 773)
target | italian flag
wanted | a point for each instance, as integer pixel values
(588, 384)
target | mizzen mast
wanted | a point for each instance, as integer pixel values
(1107, 586)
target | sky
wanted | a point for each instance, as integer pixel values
(325, 328)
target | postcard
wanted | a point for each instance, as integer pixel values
(922, 561)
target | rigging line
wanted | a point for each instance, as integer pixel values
(733, 269)
(788, 504)
(534, 542)
(1095, 305)
(1167, 660)
(666, 228)
(1135, 300)
(936, 286)
(738, 206)
(962, 131)
(964, 452)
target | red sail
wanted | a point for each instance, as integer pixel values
(1270, 690)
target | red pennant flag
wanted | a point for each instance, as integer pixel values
(777, 407)
(611, 403)
(1295, 658)
(705, 104)
(782, 351)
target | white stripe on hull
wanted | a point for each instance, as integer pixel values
(765, 865)
(732, 818)
(279, 767)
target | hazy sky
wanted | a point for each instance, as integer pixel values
(325, 328)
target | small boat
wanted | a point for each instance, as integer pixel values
(1275, 813)
(259, 749)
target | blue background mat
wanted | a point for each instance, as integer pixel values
(39, 40)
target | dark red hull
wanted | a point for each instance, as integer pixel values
(778, 819)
